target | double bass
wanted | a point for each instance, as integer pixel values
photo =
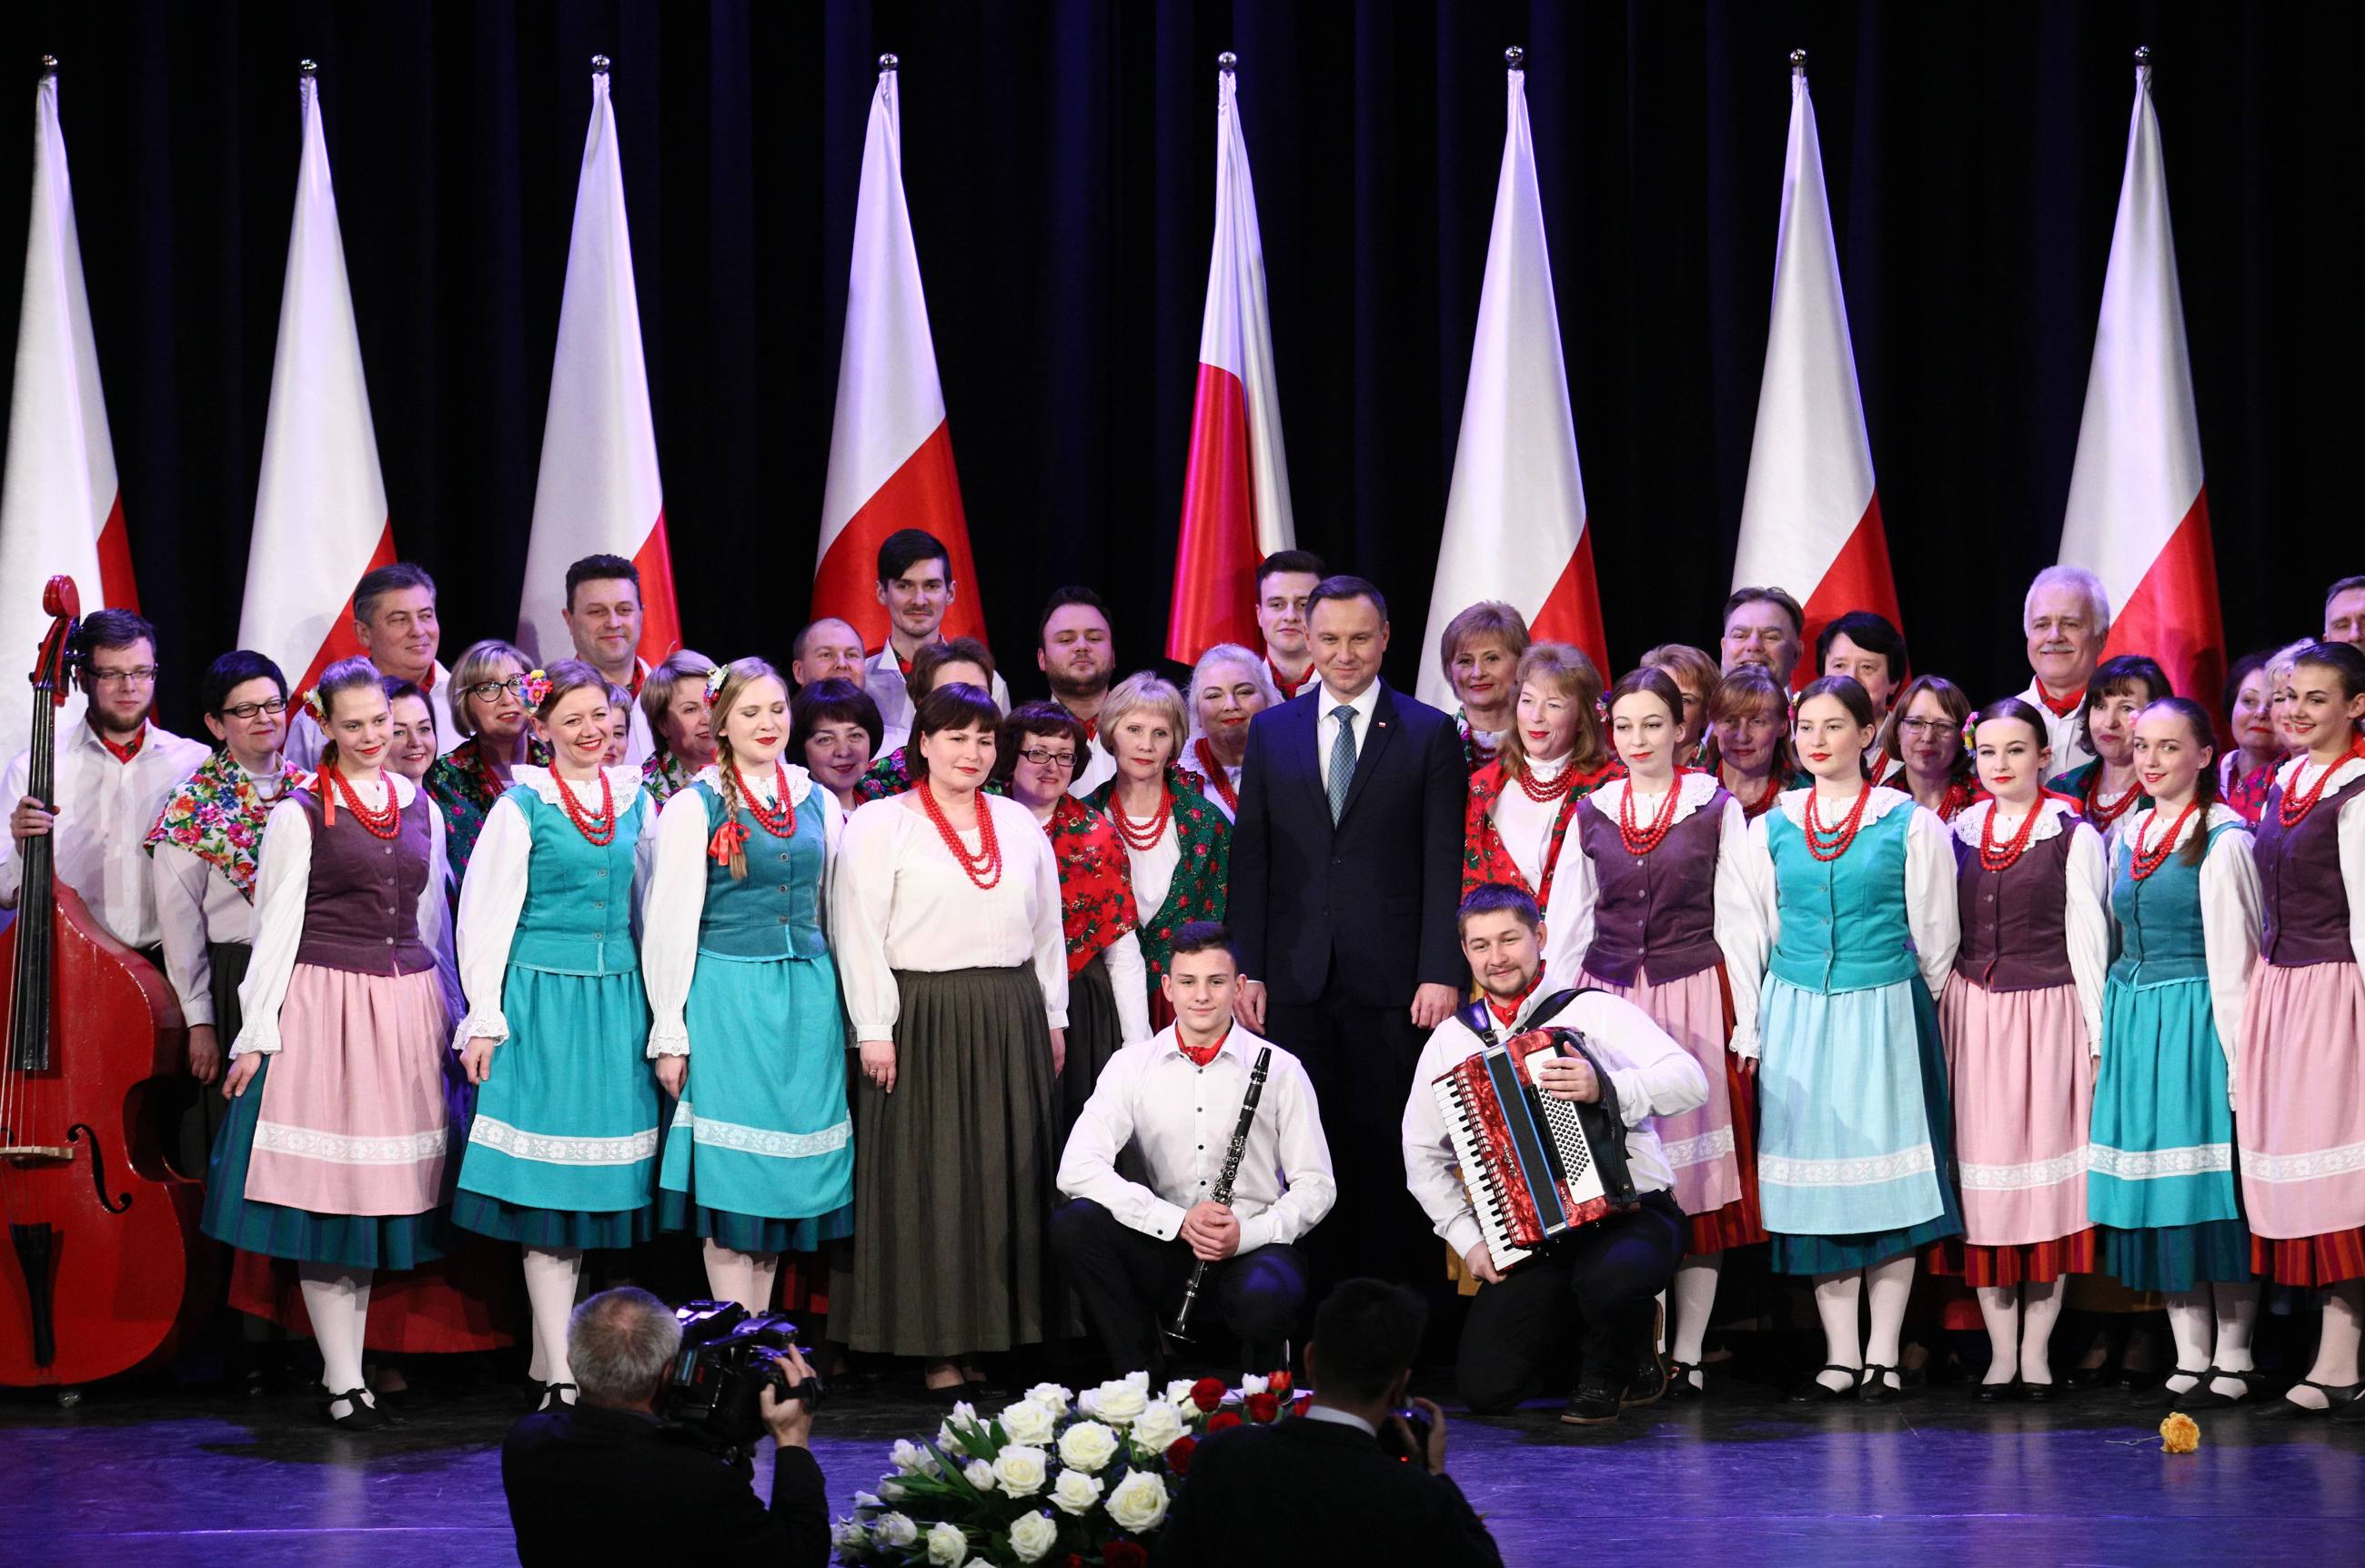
(101, 1274)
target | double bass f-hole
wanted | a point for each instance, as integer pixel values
(75, 1134)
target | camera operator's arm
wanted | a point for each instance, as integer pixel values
(799, 1498)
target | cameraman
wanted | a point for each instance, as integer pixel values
(1245, 1503)
(605, 1481)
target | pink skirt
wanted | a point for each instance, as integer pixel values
(1699, 1145)
(2299, 1100)
(2022, 1072)
(353, 1119)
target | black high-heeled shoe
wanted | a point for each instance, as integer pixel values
(1680, 1386)
(1816, 1392)
(363, 1416)
(1874, 1389)
(550, 1396)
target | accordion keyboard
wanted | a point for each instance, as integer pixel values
(1487, 1198)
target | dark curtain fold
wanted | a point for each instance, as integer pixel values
(1058, 162)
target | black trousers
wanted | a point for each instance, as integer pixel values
(1131, 1282)
(1604, 1277)
(1359, 1060)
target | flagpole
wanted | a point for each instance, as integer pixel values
(1515, 60)
(49, 67)
(599, 65)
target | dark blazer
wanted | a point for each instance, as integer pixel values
(1302, 1491)
(1373, 896)
(597, 1485)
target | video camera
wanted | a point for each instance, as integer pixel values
(716, 1384)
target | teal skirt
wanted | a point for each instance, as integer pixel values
(2173, 1258)
(270, 1230)
(553, 1228)
(755, 1233)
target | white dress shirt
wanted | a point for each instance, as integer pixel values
(1189, 762)
(675, 906)
(883, 679)
(492, 896)
(2065, 735)
(282, 893)
(1648, 1070)
(1153, 869)
(196, 906)
(1093, 768)
(899, 901)
(1179, 1116)
(105, 810)
(1326, 735)
(2086, 914)
(305, 740)
(2232, 912)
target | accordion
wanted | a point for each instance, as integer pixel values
(1536, 1167)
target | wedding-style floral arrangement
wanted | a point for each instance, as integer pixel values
(1075, 1481)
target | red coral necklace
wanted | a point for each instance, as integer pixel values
(984, 868)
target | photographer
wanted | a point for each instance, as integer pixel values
(1245, 1502)
(605, 1481)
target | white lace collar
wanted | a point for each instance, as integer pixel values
(2347, 768)
(1884, 801)
(801, 783)
(623, 783)
(2054, 815)
(1693, 790)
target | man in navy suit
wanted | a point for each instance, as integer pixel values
(1346, 869)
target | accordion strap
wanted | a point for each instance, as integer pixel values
(1481, 1021)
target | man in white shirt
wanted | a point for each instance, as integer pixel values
(114, 771)
(604, 616)
(1284, 581)
(915, 584)
(1608, 1272)
(2066, 617)
(1174, 1102)
(395, 622)
(1077, 653)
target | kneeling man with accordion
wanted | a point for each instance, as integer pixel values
(1529, 1138)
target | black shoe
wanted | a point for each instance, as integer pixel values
(1681, 1389)
(1593, 1405)
(2351, 1414)
(2203, 1398)
(1814, 1393)
(1647, 1387)
(1874, 1389)
(2006, 1393)
(2166, 1398)
(2337, 1397)
(549, 1396)
(363, 1416)
(2036, 1393)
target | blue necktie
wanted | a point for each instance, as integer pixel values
(1342, 759)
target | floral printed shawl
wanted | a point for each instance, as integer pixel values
(1095, 881)
(218, 815)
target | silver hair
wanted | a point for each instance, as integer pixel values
(620, 1343)
(1229, 654)
(2098, 602)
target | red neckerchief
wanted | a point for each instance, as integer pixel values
(1506, 1017)
(640, 674)
(125, 753)
(427, 681)
(1288, 688)
(901, 663)
(1091, 726)
(2060, 707)
(1202, 1054)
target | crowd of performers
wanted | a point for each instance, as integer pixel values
(952, 1005)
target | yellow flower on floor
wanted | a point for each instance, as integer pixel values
(2179, 1433)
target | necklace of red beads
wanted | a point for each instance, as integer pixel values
(1640, 839)
(1141, 835)
(779, 818)
(2101, 815)
(1830, 843)
(384, 823)
(2146, 861)
(1545, 791)
(2000, 856)
(2293, 809)
(1213, 771)
(597, 827)
(984, 868)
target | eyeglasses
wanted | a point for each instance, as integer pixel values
(485, 691)
(245, 711)
(1922, 729)
(1043, 757)
(138, 675)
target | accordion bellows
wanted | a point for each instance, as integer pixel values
(1536, 1167)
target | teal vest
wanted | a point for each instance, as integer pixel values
(775, 911)
(577, 916)
(2159, 918)
(1843, 920)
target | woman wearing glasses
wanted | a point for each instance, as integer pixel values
(490, 715)
(1922, 751)
(1107, 989)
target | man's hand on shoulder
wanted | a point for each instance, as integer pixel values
(1433, 1004)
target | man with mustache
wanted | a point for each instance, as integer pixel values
(2068, 619)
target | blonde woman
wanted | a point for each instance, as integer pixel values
(489, 713)
(1520, 804)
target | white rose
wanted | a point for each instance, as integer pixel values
(948, 1545)
(1140, 1379)
(1118, 1403)
(1251, 1384)
(1140, 1502)
(1032, 1536)
(1051, 1397)
(1075, 1493)
(849, 1536)
(1178, 1390)
(890, 1488)
(979, 1473)
(895, 1529)
(1087, 1445)
(1021, 1470)
(1156, 1427)
(1028, 1422)
(865, 1499)
(910, 1458)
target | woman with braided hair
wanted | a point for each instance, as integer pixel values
(759, 1158)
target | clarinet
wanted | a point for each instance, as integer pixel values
(1179, 1331)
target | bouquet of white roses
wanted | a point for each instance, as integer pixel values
(1071, 1479)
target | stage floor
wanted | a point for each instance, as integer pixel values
(187, 1480)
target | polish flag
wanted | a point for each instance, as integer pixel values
(320, 521)
(1811, 515)
(1514, 522)
(60, 510)
(2138, 514)
(599, 492)
(1236, 483)
(890, 451)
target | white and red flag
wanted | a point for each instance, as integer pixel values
(1236, 482)
(1811, 514)
(2138, 513)
(599, 492)
(1514, 522)
(320, 521)
(60, 509)
(890, 451)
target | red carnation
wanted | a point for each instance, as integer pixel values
(1305, 1403)
(1262, 1407)
(1280, 1383)
(1124, 1554)
(1179, 1452)
(1207, 1393)
(1222, 1421)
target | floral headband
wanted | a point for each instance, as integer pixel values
(318, 706)
(1970, 732)
(535, 687)
(715, 679)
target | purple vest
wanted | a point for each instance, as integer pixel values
(2299, 875)
(2015, 927)
(361, 910)
(1657, 909)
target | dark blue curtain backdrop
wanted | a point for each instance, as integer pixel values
(1058, 161)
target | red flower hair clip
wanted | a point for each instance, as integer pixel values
(534, 687)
